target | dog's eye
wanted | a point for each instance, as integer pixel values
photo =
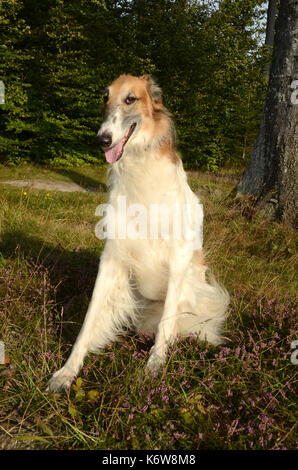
(130, 99)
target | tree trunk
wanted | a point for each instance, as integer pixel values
(271, 172)
(270, 26)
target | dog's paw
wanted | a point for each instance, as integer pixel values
(154, 364)
(61, 380)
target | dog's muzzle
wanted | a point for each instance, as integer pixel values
(104, 139)
(113, 153)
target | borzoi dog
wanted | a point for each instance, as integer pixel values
(153, 279)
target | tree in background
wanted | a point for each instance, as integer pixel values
(14, 60)
(57, 56)
(271, 173)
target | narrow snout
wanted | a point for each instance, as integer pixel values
(104, 139)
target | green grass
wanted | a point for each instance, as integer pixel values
(236, 396)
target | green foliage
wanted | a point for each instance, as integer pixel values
(56, 57)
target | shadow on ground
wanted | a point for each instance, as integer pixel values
(87, 182)
(73, 273)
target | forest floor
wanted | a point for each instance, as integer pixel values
(240, 395)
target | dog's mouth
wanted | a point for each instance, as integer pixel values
(114, 153)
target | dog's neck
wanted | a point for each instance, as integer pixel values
(145, 176)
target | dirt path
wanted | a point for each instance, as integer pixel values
(50, 185)
(64, 186)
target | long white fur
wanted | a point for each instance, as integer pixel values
(152, 285)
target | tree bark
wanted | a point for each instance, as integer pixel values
(270, 26)
(271, 172)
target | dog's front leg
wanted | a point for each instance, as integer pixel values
(110, 300)
(167, 331)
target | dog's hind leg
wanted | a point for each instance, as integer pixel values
(112, 307)
(203, 305)
(193, 304)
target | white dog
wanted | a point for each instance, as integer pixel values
(155, 282)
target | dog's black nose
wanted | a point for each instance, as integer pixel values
(104, 139)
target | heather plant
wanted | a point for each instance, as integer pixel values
(239, 395)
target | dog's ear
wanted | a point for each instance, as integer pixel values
(154, 89)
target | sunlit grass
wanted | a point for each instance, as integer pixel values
(236, 396)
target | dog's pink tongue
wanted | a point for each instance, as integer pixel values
(114, 152)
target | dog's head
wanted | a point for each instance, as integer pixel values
(134, 115)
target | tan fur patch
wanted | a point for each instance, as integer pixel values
(167, 150)
(198, 257)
